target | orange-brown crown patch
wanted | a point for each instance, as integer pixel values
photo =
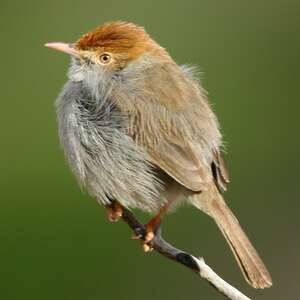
(119, 37)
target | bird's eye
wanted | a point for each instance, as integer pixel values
(105, 58)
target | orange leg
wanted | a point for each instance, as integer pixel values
(114, 211)
(153, 225)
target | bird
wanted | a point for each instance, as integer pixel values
(138, 132)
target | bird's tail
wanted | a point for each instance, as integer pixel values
(253, 268)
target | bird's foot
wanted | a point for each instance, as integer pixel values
(149, 234)
(114, 211)
(147, 247)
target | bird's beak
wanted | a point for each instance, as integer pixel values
(63, 47)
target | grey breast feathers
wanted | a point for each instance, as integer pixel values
(103, 157)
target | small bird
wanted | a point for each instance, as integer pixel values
(138, 132)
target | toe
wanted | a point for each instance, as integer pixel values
(147, 248)
(136, 236)
(149, 236)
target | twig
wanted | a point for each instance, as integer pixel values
(197, 265)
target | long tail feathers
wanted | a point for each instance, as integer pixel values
(253, 268)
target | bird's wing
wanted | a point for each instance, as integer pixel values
(180, 161)
(185, 163)
(177, 128)
(220, 172)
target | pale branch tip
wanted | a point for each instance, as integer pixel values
(197, 265)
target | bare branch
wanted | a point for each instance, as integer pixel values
(197, 265)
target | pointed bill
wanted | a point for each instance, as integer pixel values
(63, 47)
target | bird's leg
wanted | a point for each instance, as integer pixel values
(153, 225)
(114, 211)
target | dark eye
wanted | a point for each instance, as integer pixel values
(105, 58)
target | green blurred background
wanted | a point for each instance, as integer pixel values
(55, 242)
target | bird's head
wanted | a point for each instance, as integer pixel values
(110, 48)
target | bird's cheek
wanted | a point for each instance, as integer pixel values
(76, 73)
